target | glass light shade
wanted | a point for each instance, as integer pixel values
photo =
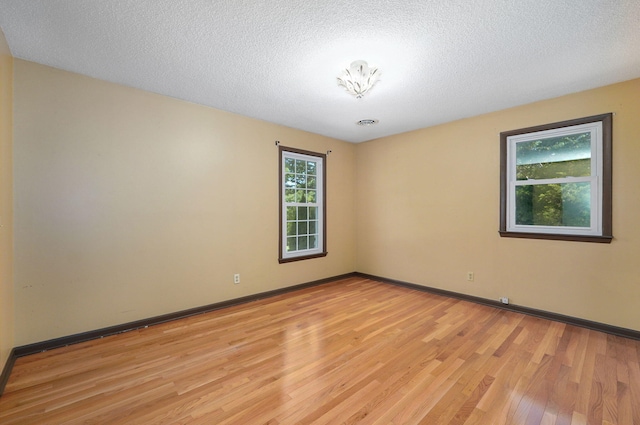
(359, 78)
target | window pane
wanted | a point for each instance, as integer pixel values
(291, 244)
(291, 213)
(302, 228)
(312, 227)
(311, 167)
(302, 213)
(302, 242)
(554, 157)
(290, 180)
(291, 229)
(289, 195)
(313, 242)
(301, 181)
(311, 196)
(564, 205)
(301, 196)
(301, 166)
(289, 165)
(311, 182)
(313, 213)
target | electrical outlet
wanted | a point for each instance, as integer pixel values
(470, 276)
(236, 278)
(504, 300)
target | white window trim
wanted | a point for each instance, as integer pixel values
(600, 229)
(320, 160)
(595, 228)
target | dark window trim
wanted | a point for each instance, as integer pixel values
(324, 252)
(607, 202)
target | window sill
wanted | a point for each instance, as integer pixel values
(302, 257)
(557, 237)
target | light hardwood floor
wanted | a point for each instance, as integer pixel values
(352, 351)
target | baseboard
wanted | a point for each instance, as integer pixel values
(6, 370)
(38, 347)
(26, 350)
(597, 326)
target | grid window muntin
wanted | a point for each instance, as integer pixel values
(302, 204)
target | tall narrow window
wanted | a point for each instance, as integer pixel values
(556, 181)
(302, 205)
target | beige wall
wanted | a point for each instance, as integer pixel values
(130, 204)
(6, 203)
(428, 212)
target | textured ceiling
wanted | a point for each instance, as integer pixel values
(278, 60)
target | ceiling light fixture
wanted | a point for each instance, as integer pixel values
(359, 78)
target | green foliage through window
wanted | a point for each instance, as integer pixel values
(554, 158)
(301, 203)
(556, 180)
(554, 205)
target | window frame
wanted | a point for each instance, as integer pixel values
(321, 251)
(603, 178)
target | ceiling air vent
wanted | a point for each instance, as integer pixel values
(367, 122)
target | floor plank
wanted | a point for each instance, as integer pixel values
(353, 351)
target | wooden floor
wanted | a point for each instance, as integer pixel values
(353, 351)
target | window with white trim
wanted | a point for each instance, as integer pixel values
(302, 205)
(556, 181)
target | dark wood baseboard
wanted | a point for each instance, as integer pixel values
(6, 370)
(597, 326)
(38, 347)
